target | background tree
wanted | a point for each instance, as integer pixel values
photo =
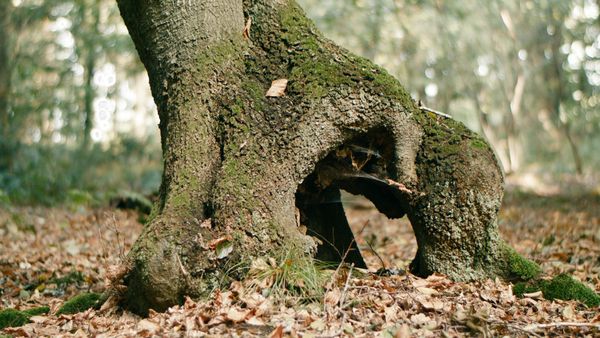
(73, 84)
(484, 64)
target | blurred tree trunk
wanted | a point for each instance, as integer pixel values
(371, 44)
(246, 175)
(91, 13)
(5, 80)
(555, 80)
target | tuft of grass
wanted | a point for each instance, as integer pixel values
(562, 287)
(291, 275)
(79, 303)
(15, 318)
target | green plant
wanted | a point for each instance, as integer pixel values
(79, 303)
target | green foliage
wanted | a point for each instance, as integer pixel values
(14, 318)
(79, 303)
(461, 59)
(58, 174)
(562, 287)
(4, 199)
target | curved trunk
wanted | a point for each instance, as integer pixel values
(240, 167)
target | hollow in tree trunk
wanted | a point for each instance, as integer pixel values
(243, 172)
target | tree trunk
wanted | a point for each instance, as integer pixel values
(239, 166)
(89, 13)
(5, 80)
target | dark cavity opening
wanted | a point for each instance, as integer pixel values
(362, 166)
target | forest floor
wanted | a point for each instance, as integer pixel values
(49, 255)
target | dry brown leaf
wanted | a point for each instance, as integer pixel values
(236, 315)
(38, 319)
(277, 333)
(434, 304)
(148, 325)
(419, 319)
(255, 321)
(246, 32)
(427, 291)
(277, 88)
(213, 244)
(318, 325)
(332, 297)
(534, 295)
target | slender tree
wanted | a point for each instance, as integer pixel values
(5, 77)
(246, 172)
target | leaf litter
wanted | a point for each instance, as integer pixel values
(50, 255)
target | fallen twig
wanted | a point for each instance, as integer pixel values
(533, 327)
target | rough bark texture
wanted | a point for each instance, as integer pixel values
(241, 167)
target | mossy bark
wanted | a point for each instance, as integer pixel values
(245, 170)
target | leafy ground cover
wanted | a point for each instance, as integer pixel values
(50, 255)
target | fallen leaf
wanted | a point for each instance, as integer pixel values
(255, 321)
(419, 319)
(235, 315)
(427, 291)
(213, 244)
(534, 295)
(277, 88)
(332, 297)
(246, 32)
(38, 319)
(223, 249)
(147, 325)
(277, 333)
(318, 325)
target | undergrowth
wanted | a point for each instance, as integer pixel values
(291, 276)
(14, 318)
(562, 287)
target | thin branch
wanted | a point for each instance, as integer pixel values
(533, 327)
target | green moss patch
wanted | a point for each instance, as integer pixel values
(37, 311)
(14, 318)
(521, 268)
(562, 287)
(79, 303)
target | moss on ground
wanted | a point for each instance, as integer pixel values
(562, 287)
(37, 311)
(14, 318)
(520, 268)
(79, 303)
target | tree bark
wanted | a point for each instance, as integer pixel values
(89, 13)
(5, 81)
(239, 166)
